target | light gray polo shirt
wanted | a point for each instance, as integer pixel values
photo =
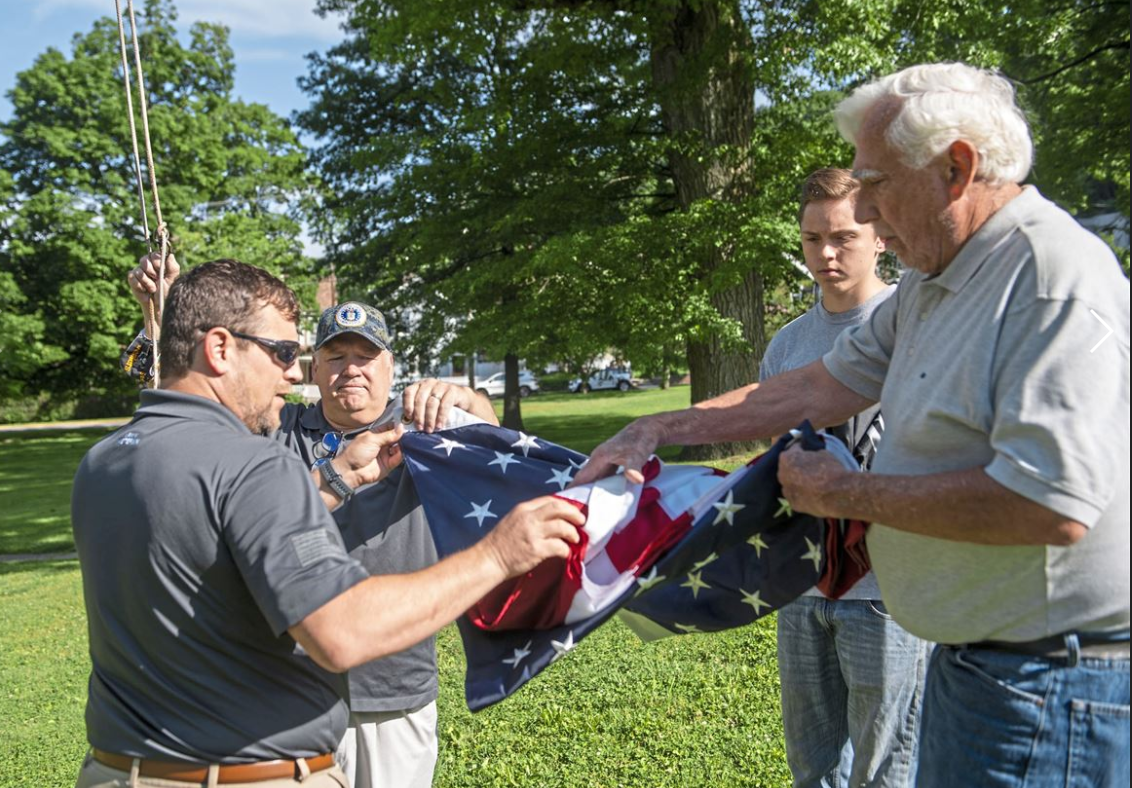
(200, 545)
(998, 363)
(803, 341)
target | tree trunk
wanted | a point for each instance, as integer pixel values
(470, 361)
(706, 91)
(512, 413)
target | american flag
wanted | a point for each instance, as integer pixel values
(693, 549)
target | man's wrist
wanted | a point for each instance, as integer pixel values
(333, 479)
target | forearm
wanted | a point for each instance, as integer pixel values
(388, 613)
(481, 407)
(763, 410)
(962, 506)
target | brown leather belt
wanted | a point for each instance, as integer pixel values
(228, 773)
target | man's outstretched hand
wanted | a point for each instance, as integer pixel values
(630, 449)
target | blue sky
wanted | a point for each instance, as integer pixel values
(269, 39)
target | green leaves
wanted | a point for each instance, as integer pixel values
(227, 172)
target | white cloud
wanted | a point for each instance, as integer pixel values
(253, 18)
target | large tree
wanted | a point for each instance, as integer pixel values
(457, 140)
(544, 178)
(225, 170)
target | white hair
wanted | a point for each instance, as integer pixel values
(941, 103)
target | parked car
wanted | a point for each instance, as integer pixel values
(608, 378)
(493, 386)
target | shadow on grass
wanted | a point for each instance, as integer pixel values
(36, 470)
(16, 568)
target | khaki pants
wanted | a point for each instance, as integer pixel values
(97, 775)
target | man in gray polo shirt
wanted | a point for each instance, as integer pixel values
(999, 497)
(391, 741)
(217, 586)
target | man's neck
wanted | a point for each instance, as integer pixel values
(982, 202)
(344, 422)
(837, 302)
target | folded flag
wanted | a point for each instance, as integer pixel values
(692, 549)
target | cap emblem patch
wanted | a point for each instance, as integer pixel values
(350, 316)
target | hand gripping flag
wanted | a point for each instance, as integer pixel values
(693, 549)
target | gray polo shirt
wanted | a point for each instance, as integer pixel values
(998, 363)
(200, 545)
(803, 341)
(384, 527)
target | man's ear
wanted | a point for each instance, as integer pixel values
(963, 165)
(216, 352)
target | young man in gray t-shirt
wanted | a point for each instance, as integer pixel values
(851, 677)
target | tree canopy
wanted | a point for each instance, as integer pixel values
(538, 179)
(68, 205)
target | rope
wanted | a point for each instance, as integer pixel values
(153, 317)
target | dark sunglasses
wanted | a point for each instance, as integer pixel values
(284, 350)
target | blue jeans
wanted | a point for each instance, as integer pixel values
(999, 719)
(851, 689)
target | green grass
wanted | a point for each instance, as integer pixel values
(582, 421)
(36, 468)
(690, 711)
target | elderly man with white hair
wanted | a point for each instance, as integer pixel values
(999, 496)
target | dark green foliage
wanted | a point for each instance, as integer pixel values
(69, 216)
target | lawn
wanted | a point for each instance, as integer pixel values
(36, 469)
(690, 711)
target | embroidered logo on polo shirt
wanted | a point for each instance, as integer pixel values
(350, 316)
(313, 546)
(129, 439)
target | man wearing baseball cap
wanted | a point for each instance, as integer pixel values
(391, 741)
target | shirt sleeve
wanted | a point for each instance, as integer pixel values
(860, 357)
(1056, 403)
(285, 542)
(768, 367)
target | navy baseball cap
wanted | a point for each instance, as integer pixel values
(352, 317)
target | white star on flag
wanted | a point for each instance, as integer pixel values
(755, 600)
(503, 459)
(577, 465)
(727, 509)
(814, 554)
(649, 580)
(563, 648)
(757, 542)
(519, 655)
(448, 445)
(695, 582)
(690, 629)
(560, 477)
(526, 443)
(705, 562)
(784, 508)
(481, 511)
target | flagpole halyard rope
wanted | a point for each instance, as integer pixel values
(153, 315)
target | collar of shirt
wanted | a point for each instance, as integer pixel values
(979, 246)
(178, 404)
(314, 420)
